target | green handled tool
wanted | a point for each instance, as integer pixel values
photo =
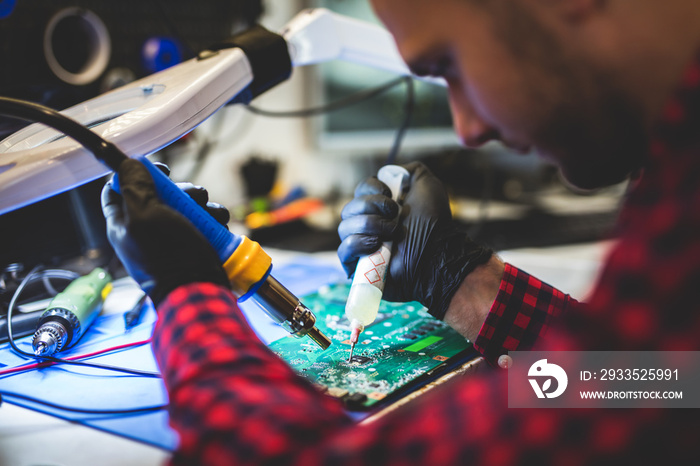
(71, 312)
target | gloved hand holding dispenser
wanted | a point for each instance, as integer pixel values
(431, 255)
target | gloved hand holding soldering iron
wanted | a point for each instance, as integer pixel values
(163, 249)
(432, 256)
(159, 248)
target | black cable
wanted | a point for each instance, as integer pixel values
(104, 150)
(408, 113)
(58, 273)
(144, 409)
(31, 276)
(45, 277)
(174, 30)
(352, 99)
(154, 375)
(11, 307)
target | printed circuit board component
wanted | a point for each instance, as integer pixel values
(404, 344)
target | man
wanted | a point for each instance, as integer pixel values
(606, 89)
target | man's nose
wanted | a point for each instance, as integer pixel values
(470, 127)
(473, 131)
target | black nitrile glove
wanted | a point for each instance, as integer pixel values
(431, 255)
(159, 248)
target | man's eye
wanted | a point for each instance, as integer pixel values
(436, 65)
(420, 70)
(441, 67)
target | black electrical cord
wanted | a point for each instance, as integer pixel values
(352, 99)
(104, 150)
(173, 29)
(144, 409)
(140, 373)
(33, 274)
(408, 113)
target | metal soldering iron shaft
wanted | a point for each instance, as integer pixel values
(318, 337)
(286, 309)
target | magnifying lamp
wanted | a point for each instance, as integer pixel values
(148, 114)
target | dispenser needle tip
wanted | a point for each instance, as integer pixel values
(354, 336)
(352, 348)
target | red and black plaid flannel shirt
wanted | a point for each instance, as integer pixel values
(234, 402)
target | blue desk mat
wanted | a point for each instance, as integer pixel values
(91, 388)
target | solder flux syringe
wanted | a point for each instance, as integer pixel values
(370, 275)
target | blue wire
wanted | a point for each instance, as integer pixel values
(144, 409)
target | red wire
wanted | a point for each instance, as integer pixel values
(72, 358)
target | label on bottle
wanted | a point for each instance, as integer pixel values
(372, 269)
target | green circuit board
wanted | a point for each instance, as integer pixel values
(403, 344)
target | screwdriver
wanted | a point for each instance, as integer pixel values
(370, 274)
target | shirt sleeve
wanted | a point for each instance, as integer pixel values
(231, 398)
(521, 314)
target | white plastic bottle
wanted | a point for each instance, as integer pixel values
(370, 275)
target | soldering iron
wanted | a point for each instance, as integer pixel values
(246, 264)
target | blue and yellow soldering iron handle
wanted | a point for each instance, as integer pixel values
(160, 265)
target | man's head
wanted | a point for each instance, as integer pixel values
(565, 77)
